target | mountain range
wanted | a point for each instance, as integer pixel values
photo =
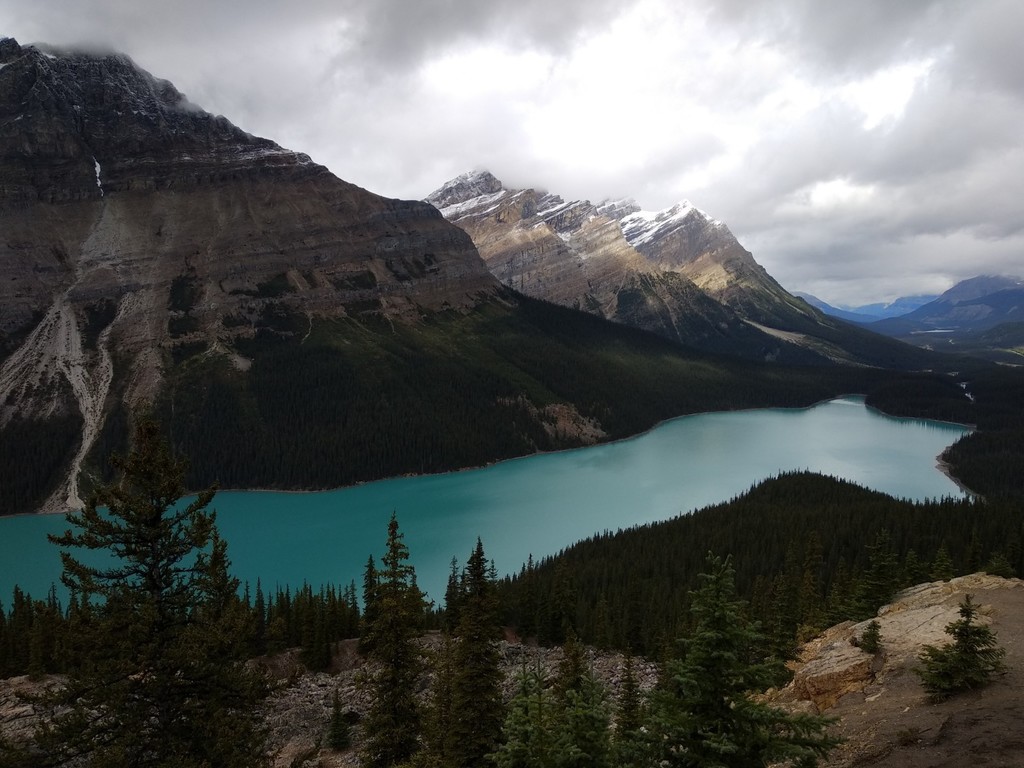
(292, 330)
(869, 313)
(676, 272)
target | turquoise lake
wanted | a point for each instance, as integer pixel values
(539, 504)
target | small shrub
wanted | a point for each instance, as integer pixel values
(871, 640)
(970, 661)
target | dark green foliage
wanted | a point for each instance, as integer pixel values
(182, 325)
(396, 612)
(969, 662)
(184, 292)
(871, 640)
(160, 634)
(377, 399)
(628, 748)
(702, 711)
(880, 580)
(582, 738)
(785, 535)
(999, 565)
(991, 460)
(98, 316)
(33, 455)
(477, 712)
(339, 734)
(942, 565)
(528, 740)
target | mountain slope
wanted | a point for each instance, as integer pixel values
(290, 329)
(677, 272)
(970, 306)
(134, 223)
(577, 254)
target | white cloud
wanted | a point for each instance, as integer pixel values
(867, 147)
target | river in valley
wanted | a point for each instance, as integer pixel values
(538, 504)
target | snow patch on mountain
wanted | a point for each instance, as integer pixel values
(643, 227)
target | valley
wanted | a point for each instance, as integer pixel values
(187, 306)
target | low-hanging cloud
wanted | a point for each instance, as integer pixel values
(861, 152)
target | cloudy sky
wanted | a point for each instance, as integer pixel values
(861, 150)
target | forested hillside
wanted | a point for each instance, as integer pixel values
(809, 551)
(380, 399)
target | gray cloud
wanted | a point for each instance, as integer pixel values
(738, 106)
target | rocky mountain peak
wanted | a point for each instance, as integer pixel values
(465, 187)
(642, 227)
(65, 114)
(135, 221)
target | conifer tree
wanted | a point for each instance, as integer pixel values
(477, 712)
(581, 735)
(881, 579)
(394, 617)
(628, 746)
(970, 661)
(702, 711)
(942, 565)
(527, 732)
(162, 680)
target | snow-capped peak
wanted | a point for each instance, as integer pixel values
(465, 187)
(642, 227)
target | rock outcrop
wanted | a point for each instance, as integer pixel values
(677, 272)
(595, 258)
(882, 710)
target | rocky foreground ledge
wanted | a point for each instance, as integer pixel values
(881, 709)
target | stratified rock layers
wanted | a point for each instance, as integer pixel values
(131, 222)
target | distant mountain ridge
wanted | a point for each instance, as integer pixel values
(973, 305)
(678, 272)
(868, 313)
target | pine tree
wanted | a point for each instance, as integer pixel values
(628, 745)
(394, 617)
(162, 679)
(581, 735)
(942, 565)
(970, 661)
(702, 711)
(527, 732)
(871, 639)
(881, 579)
(477, 711)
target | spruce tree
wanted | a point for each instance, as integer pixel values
(628, 748)
(527, 740)
(942, 565)
(394, 616)
(581, 734)
(970, 661)
(703, 712)
(477, 711)
(162, 679)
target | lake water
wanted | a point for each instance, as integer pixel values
(539, 504)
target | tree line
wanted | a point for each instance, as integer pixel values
(154, 647)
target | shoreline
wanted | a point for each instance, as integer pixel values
(941, 465)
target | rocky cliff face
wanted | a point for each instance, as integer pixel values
(676, 272)
(610, 259)
(880, 706)
(133, 222)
